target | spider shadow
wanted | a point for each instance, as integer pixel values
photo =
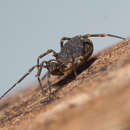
(70, 77)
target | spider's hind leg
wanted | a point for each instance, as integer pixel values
(104, 35)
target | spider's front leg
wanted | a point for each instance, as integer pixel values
(40, 67)
(21, 79)
(46, 53)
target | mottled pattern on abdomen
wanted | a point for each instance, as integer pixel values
(73, 48)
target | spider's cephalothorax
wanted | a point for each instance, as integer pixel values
(73, 52)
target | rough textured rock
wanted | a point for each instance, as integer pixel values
(98, 99)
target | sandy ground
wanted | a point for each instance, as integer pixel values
(98, 99)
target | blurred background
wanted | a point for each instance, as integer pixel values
(30, 27)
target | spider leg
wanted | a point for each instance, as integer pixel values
(25, 75)
(44, 54)
(49, 84)
(50, 88)
(41, 56)
(40, 84)
(86, 43)
(74, 67)
(62, 41)
(41, 66)
(104, 35)
(72, 62)
(38, 75)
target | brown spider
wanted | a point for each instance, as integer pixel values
(73, 52)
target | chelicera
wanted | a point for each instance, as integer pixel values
(73, 52)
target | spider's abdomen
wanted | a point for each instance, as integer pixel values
(75, 48)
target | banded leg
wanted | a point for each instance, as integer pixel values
(25, 75)
(49, 84)
(43, 65)
(103, 35)
(62, 41)
(74, 67)
(40, 68)
(86, 42)
(72, 62)
(41, 56)
(44, 54)
(51, 94)
(39, 73)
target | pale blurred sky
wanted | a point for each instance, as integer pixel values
(30, 27)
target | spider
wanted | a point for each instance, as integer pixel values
(72, 53)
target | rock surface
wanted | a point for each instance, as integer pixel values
(98, 99)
